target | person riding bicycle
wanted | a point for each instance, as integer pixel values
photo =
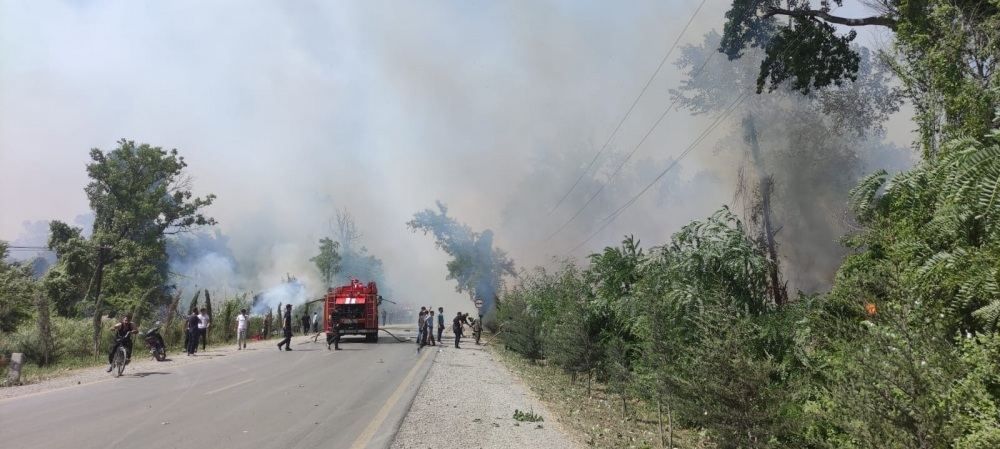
(123, 331)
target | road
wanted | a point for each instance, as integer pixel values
(262, 398)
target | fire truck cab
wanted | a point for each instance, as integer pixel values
(356, 305)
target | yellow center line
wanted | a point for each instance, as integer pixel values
(229, 386)
(366, 436)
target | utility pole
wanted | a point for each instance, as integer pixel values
(765, 185)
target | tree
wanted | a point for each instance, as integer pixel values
(44, 329)
(67, 283)
(800, 154)
(946, 54)
(328, 260)
(208, 306)
(16, 292)
(476, 266)
(139, 194)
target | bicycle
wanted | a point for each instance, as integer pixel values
(120, 359)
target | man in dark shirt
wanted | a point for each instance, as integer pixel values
(192, 331)
(287, 329)
(123, 331)
(334, 335)
(440, 323)
(456, 327)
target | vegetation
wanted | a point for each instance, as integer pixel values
(523, 416)
(140, 196)
(902, 351)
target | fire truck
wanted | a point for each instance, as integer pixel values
(356, 305)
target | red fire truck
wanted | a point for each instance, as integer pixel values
(356, 305)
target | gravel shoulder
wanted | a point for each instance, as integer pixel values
(468, 401)
(142, 363)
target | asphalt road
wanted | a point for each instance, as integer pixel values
(263, 398)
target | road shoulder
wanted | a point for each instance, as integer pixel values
(468, 399)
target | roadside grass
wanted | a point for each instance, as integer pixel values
(595, 419)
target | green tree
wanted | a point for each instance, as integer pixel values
(571, 330)
(476, 266)
(67, 283)
(17, 289)
(328, 260)
(800, 154)
(945, 54)
(139, 194)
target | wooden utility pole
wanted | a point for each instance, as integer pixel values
(765, 185)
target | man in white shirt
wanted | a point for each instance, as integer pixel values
(241, 329)
(203, 327)
(315, 321)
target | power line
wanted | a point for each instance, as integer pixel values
(614, 215)
(28, 248)
(701, 137)
(630, 109)
(629, 156)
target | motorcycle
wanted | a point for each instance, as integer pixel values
(155, 343)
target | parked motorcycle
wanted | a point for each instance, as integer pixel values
(155, 343)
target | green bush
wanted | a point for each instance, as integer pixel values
(521, 327)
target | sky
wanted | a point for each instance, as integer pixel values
(289, 111)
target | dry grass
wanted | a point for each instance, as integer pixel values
(596, 419)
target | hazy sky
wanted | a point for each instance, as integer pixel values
(290, 110)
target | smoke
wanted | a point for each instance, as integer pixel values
(290, 111)
(290, 292)
(204, 260)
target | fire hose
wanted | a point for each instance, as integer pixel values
(393, 336)
(401, 340)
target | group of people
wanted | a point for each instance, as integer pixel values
(196, 330)
(198, 322)
(425, 327)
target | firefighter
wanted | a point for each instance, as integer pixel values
(334, 335)
(286, 329)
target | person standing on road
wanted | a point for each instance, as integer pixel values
(286, 328)
(456, 327)
(430, 327)
(305, 323)
(192, 329)
(421, 329)
(241, 329)
(334, 335)
(203, 324)
(315, 321)
(440, 323)
(477, 329)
